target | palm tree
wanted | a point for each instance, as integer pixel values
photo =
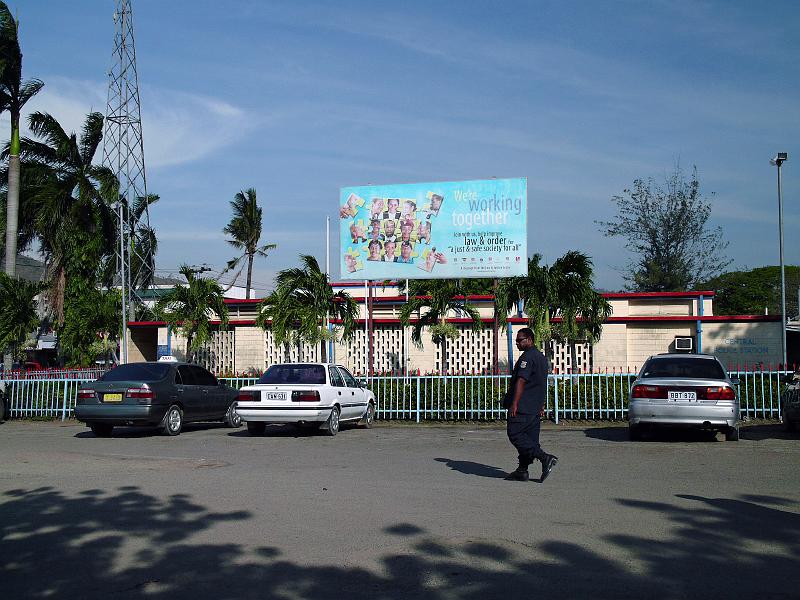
(245, 229)
(14, 94)
(438, 298)
(72, 202)
(302, 304)
(18, 315)
(563, 290)
(186, 309)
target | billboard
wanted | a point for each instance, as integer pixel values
(438, 230)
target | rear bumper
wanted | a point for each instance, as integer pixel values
(791, 413)
(722, 414)
(121, 414)
(284, 414)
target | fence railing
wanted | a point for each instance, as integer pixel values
(587, 396)
(82, 374)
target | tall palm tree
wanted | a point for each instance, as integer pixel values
(245, 231)
(303, 302)
(187, 309)
(433, 300)
(73, 202)
(14, 94)
(563, 290)
(18, 315)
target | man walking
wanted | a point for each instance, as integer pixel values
(524, 402)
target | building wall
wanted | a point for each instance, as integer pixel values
(743, 344)
(648, 338)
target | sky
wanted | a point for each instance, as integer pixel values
(299, 99)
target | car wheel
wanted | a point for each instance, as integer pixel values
(232, 418)
(173, 420)
(635, 433)
(732, 434)
(332, 424)
(102, 429)
(256, 427)
(368, 420)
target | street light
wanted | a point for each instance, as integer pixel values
(779, 159)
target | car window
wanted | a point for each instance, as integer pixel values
(312, 374)
(336, 378)
(187, 376)
(137, 372)
(178, 380)
(349, 380)
(202, 377)
(683, 366)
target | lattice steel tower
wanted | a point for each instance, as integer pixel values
(123, 153)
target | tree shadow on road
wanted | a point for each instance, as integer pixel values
(127, 544)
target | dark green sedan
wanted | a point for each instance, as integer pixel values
(165, 394)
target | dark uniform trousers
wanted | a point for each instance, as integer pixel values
(523, 433)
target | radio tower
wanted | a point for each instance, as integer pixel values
(123, 153)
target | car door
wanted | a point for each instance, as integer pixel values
(217, 394)
(338, 390)
(206, 387)
(189, 393)
(353, 405)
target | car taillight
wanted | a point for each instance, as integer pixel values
(648, 391)
(247, 397)
(719, 393)
(143, 395)
(305, 396)
(87, 395)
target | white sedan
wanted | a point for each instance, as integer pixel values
(320, 394)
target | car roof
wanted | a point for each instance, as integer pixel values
(682, 355)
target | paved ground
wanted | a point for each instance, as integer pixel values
(395, 512)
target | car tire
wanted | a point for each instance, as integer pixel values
(172, 423)
(732, 434)
(332, 424)
(256, 427)
(789, 425)
(102, 430)
(635, 433)
(232, 418)
(368, 420)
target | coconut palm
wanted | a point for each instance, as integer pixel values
(72, 202)
(433, 301)
(302, 304)
(18, 315)
(245, 231)
(14, 94)
(563, 290)
(188, 309)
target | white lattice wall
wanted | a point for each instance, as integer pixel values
(562, 358)
(471, 352)
(218, 355)
(274, 353)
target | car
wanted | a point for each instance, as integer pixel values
(165, 394)
(691, 390)
(321, 395)
(790, 403)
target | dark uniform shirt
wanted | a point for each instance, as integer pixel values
(532, 367)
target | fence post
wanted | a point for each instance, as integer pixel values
(418, 380)
(64, 405)
(555, 401)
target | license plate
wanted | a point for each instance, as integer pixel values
(682, 396)
(112, 397)
(276, 396)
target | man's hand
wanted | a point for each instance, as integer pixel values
(512, 411)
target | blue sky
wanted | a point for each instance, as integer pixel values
(298, 99)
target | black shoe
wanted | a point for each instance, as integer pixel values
(518, 475)
(547, 465)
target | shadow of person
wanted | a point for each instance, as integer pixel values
(472, 468)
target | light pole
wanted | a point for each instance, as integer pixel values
(779, 159)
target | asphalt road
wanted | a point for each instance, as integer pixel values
(395, 512)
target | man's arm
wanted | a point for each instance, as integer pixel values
(518, 389)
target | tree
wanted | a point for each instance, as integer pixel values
(14, 94)
(186, 309)
(302, 304)
(562, 291)
(755, 291)
(433, 301)
(91, 325)
(18, 315)
(245, 231)
(667, 229)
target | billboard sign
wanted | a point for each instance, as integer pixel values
(438, 230)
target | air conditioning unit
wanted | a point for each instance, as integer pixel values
(684, 344)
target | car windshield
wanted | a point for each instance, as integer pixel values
(294, 374)
(685, 367)
(137, 372)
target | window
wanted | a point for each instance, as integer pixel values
(336, 378)
(349, 380)
(693, 368)
(187, 377)
(137, 372)
(202, 377)
(290, 374)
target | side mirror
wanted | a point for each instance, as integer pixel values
(735, 380)
(362, 382)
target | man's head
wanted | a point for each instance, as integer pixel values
(436, 202)
(389, 248)
(388, 227)
(405, 249)
(525, 338)
(350, 262)
(393, 204)
(374, 249)
(377, 205)
(405, 230)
